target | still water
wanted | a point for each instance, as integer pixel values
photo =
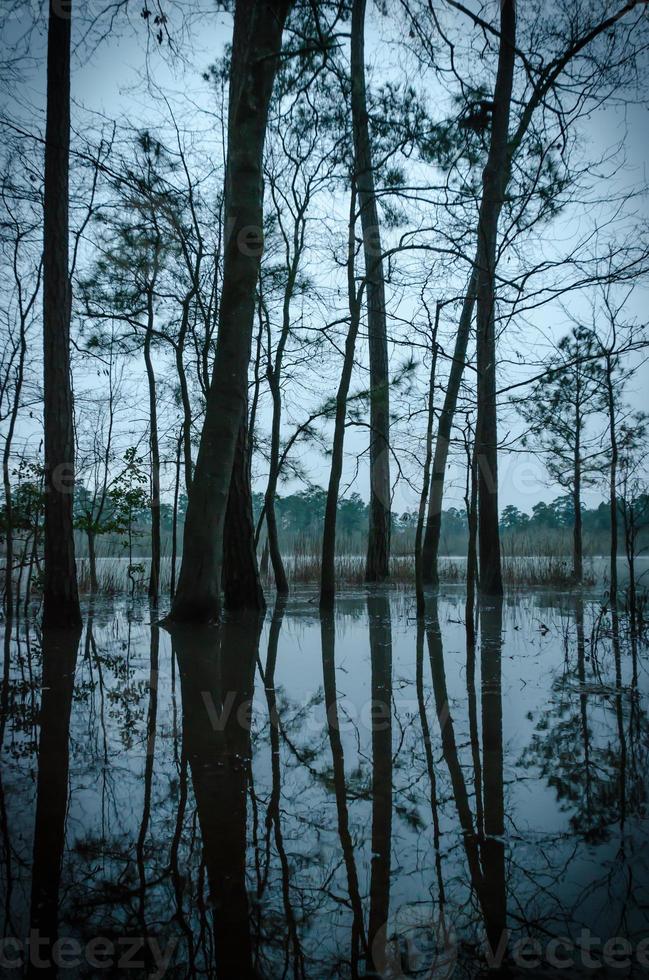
(317, 797)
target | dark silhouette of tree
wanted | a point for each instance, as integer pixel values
(494, 185)
(256, 45)
(558, 411)
(60, 591)
(354, 298)
(378, 545)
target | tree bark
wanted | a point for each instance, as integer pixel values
(184, 396)
(257, 40)
(430, 552)
(274, 381)
(328, 569)
(610, 404)
(241, 584)
(92, 561)
(494, 183)
(377, 565)
(174, 522)
(577, 553)
(419, 533)
(154, 577)
(60, 589)
(472, 550)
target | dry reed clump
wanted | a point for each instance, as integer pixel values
(517, 571)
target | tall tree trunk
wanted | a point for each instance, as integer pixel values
(419, 533)
(60, 590)
(494, 182)
(174, 521)
(241, 584)
(184, 395)
(577, 555)
(472, 549)
(274, 378)
(92, 561)
(154, 577)
(377, 565)
(257, 40)
(328, 569)
(610, 403)
(430, 551)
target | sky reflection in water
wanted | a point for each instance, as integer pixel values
(310, 797)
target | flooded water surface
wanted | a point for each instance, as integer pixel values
(317, 797)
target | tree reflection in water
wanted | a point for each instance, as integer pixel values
(404, 798)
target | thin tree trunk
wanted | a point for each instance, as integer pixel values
(430, 552)
(281, 582)
(60, 589)
(494, 182)
(256, 388)
(419, 569)
(328, 570)
(184, 397)
(241, 584)
(174, 523)
(472, 549)
(577, 555)
(92, 562)
(377, 565)
(577, 546)
(257, 41)
(274, 381)
(154, 577)
(610, 401)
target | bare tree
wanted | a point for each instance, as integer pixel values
(60, 592)
(256, 44)
(377, 566)
(354, 297)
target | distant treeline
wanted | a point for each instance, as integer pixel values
(546, 530)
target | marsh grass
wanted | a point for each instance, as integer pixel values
(303, 568)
